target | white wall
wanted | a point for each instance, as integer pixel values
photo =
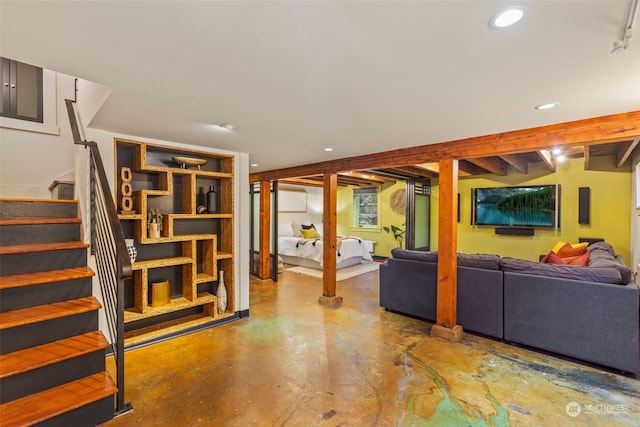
(31, 160)
(313, 213)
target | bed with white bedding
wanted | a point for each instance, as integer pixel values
(307, 252)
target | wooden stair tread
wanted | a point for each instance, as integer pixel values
(19, 199)
(42, 277)
(25, 316)
(41, 247)
(49, 403)
(47, 354)
(36, 221)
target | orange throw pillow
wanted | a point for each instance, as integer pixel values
(569, 250)
(580, 260)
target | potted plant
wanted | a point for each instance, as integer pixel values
(154, 222)
(398, 234)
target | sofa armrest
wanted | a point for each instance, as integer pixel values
(409, 287)
(595, 322)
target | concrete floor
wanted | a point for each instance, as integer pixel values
(294, 362)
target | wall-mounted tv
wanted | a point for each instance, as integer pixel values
(526, 206)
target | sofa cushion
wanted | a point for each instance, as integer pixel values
(414, 255)
(600, 275)
(485, 261)
(602, 255)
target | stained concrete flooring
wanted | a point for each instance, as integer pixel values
(294, 362)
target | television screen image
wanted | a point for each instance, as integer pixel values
(530, 206)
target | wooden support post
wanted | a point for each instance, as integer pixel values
(447, 259)
(330, 188)
(264, 260)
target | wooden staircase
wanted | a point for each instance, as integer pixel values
(52, 354)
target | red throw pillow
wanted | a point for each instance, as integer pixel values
(580, 260)
(569, 250)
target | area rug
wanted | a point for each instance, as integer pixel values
(342, 274)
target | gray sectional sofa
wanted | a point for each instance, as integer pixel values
(587, 313)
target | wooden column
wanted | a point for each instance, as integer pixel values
(447, 247)
(264, 261)
(330, 189)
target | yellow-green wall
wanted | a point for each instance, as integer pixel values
(610, 209)
(384, 241)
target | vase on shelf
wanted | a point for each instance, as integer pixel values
(154, 230)
(212, 200)
(160, 293)
(131, 250)
(221, 293)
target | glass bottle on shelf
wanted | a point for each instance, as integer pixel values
(212, 200)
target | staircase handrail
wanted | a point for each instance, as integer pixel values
(109, 236)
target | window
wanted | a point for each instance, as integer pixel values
(22, 92)
(365, 207)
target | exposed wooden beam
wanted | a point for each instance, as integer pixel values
(598, 130)
(301, 181)
(329, 246)
(494, 165)
(624, 151)
(466, 168)
(447, 244)
(518, 162)
(545, 156)
(255, 177)
(367, 176)
(264, 261)
(587, 157)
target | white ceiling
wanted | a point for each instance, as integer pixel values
(359, 76)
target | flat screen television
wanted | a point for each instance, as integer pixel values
(526, 206)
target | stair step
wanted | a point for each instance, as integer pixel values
(42, 277)
(56, 401)
(26, 316)
(47, 354)
(39, 221)
(37, 208)
(41, 247)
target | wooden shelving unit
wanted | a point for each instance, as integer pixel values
(192, 248)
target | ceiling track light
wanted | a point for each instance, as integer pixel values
(623, 43)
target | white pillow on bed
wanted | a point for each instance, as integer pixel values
(295, 228)
(285, 230)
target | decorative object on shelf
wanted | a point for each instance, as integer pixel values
(155, 223)
(221, 293)
(126, 202)
(185, 162)
(131, 249)
(201, 209)
(212, 200)
(160, 293)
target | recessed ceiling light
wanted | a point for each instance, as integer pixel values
(253, 165)
(328, 149)
(546, 106)
(507, 17)
(556, 151)
(226, 126)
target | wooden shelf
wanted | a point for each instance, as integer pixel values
(177, 238)
(200, 216)
(194, 257)
(175, 305)
(204, 278)
(160, 262)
